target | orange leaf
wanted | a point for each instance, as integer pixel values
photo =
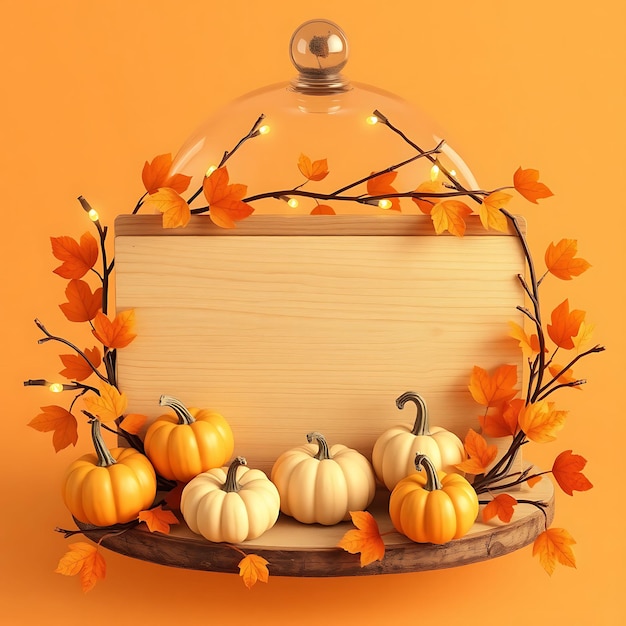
(553, 546)
(316, 170)
(565, 325)
(108, 405)
(76, 368)
(565, 377)
(61, 421)
(490, 214)
(365, 538)
(323, 209)
(481, 454)
(504, 422)
(81, 305)
(526, 182)
(491, 390)
(502, 506)
(529, 345)
(174, 207)
(253, 568)
(426, 204)
(533, 480)
(158, 520)
(381, 185)
(84, 559)
(117, 333)
(78, 258)
(561, 260)
(540, 421)
(156, 174)
(133, 423)
(449, 215)
(567, 472)
(584, 335)
(225, 201)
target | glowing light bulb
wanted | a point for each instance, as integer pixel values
(264, 129)
(434, 173)
(452, 172)
(384, 204)
(55, 387)
(292, 202)
(371, 120)
(93, 215)
(211, 169)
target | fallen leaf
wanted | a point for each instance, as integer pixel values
(502, 506)
(381, 185)
(553, 546)
(313, 170)
(108, 405)
(490, 214)
(567, 471)
(117, 333)
(76, 368)
(323, 209)
(561, 260)
(78, 258)
(427, 203)
(133, 423)
(504, 421)
(365, 538)
(61, 422)
(83, 559)
(526, 182)
(82, 305)
(172, 205)
(226, 204)
(563, 377)
(253, 568)
(493, 389)
(449, 215)
(528, 344)
(541, 421)
(158, 519)
(481, 454)
(156, 174)
(565, 325)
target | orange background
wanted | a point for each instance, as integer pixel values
(92, 89)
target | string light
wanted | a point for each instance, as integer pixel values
(293, 203)
(371, 120)
(93, 215)
(452, 172)
(55, 387)
(264, 129)
(384, 204)
(434, 173)
(211, 169)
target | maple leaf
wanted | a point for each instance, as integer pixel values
(78, 258)
(584, 335)
(82, 305)
(76, 368)
(526, 183)
(365, 538)
(491, 390)
(172, 205)
(553, 546)
(562, 376)
(133, 423)
(323, 209)
(426, 204)
(502, 505)
(156, 174)
(490, 214)
(449, 215)
(567, 471)
(225, 201)
(541, 421)
(313, 170)
(528, 344)
(108, 405)
(480, 453)
(158, 519)
(83, 559)
(117, 333)
(381, 185)
(61, 422)
(253, 568)
(504, 422)
(565, 325)
(561, 260)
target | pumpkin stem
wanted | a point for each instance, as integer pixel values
(184, 416)
(323, 451)
(105, 458)
(231, 483)
(432, 477)
(420, 427)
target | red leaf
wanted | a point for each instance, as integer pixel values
(323, 209)
(81, 305)
(78, 258)
(567, 471)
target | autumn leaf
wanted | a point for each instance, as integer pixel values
(323, 209)
(528, 344)
(365, 538)
(313, 170)
(491, 390)
(504, 421)
(82, 305)
(553, 546)
(156, 174)
(565, 325)
(78, 258)
(61, 422)
(381, 185)
(76, 368)
(158, 519)
(533, 480)
(426, 204)
(561, 260)
(567, 471)
(502, 506)
(253, 568)
(117, 333)
(584, 335)
(108, 405)
(449, 215)
(226, 204)
(541, 421)
(563, 377)
(133, 423)
(85, 560)
(526, 183)
(480, 453)
(490, 214)
(172, 205)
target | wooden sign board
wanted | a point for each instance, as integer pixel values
(287, 325)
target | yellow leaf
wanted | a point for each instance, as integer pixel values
(253, 568)
(173, 206)
(541, 421)
(365, 538)
(449, 215)
(109, 405)
(553, 546)
(584, 335)
(427, 202)
(84, 559)
(564, 376)
(158, 519)
(490, 214)
(528, 344)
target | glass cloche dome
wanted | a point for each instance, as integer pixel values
(322, 115)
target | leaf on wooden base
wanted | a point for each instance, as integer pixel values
(365, 539)
(158, 519)
(502, 506)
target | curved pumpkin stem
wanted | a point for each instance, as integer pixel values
(105, 458)
(432, 477)
(231, 483)
(323, 452)
(184, 416)
(420, 427)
